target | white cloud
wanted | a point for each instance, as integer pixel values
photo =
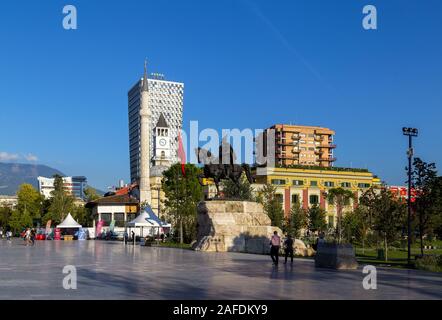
(31, 158)
(5, 156)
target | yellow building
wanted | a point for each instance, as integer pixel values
(309, 185)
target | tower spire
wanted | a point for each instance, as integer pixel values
(145, 113)
(145, 87)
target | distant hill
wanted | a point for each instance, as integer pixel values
(12, 175)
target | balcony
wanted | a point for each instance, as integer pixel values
(318, 138)
(296, 137)
(283, 143)
(296, 150)
(327, 146)
(330, 159)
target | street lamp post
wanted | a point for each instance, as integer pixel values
(410, 132)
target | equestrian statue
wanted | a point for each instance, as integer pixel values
(222, 167)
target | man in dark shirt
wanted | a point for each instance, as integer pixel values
(288, 247)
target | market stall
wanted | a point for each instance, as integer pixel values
(69, 226)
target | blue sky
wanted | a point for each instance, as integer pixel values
(63, 94)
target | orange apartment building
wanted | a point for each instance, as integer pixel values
(303, 145)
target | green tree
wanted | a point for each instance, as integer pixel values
(297, 221)
(183, 193)
(437, 198)
(15, 221)
(267, 196)
(62, 202)
(26, 219)
(364, 224)
(388, 215)
(424, 180)
(351, 226)
(90, 194)
(20, 220)
(340, 198)
(317, 221)
(30, 200)
(242, 192)
(82, 215)
(5, 215)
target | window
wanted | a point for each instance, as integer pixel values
(278, 181)
(295, 198)
(119, 219)
(346, 185)
(363, 185)
(106, 217)
(314, 199)
(298, 182)
(313, 183)
(329, 184)
(130, 216)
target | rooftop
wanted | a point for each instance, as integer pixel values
(115, 199)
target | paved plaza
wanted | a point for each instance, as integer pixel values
(111, 270)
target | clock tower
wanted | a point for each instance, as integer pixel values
(162, 143)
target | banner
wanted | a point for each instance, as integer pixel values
(48, 227)
(99, 227)
(112, 226)
(57, 234)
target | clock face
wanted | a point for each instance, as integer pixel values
(163, 142)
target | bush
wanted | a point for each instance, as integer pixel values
(429, 263)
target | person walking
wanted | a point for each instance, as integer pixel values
(27, 237)
(133, 237)
(126, 237)
(32, 236)
(288, 248)
(275, 244)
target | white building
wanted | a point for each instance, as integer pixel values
(73, 185)
(8, 201)
(118, 208)
(165, 98)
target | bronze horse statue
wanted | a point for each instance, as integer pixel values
(217, 170)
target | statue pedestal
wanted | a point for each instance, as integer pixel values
(235, 226)
(336, 256)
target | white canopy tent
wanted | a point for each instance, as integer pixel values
(69, 223)
(147, 219)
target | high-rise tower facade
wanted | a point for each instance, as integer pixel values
(164, 97)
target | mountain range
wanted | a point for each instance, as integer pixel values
(12, 175)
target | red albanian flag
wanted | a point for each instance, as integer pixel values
(181, 154)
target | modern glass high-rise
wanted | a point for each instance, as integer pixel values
(165, 97)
